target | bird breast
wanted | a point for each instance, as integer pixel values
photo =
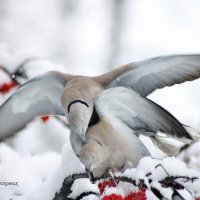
(118, 147)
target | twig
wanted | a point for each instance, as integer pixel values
(12, 77)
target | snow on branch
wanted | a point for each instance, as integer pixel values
(167, 179)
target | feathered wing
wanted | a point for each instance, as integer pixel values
(39, 96)
(146, 76)
(138, 113)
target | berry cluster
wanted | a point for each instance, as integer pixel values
(103, 185)
(136, 195)
(112, 197)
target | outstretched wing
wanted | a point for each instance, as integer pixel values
(39, 96)
(151, 74)
(138, 113)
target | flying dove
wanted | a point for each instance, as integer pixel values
(86, 101)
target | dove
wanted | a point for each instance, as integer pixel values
(119, 96)
(110, 148)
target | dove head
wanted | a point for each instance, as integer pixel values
(92, 155)
(78, 102)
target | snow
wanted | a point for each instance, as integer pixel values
(81, 186)
(117, 191)
(150, 195)
(40, 137)
(192, 156)
(166, 192)
(158, 170)
(69, 164)
(90, 197)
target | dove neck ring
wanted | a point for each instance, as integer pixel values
(76, 101)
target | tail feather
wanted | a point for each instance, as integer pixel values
(194, 133)
(167, 145)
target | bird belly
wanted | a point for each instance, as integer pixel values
(135, 149)
(123, 149)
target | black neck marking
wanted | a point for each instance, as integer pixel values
(76, 101)
(94, 118)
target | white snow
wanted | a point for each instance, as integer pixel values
(166, 192)
(70, 164)
(82, 185)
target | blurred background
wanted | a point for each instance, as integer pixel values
(89, 38)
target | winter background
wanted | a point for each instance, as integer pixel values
(89, 38)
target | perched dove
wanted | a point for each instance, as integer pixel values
(111, 147)
(105, 100)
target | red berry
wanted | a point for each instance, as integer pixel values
(112, 197)
(45, 118)
(139, 195)
(5, 88)
(105, 184)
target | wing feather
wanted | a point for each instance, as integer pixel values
(39, 96)
(138, 113)
(151, 74)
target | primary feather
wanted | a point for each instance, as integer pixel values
(146, 76)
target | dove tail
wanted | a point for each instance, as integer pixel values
(168, 145)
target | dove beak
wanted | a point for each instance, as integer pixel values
(90, 174)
